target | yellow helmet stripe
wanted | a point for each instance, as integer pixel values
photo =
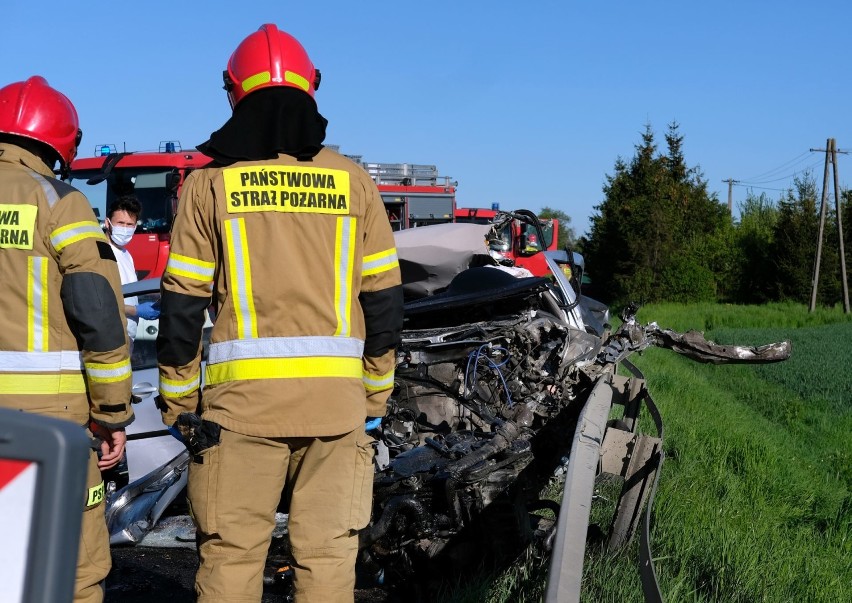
(296, 79)
(258, 79)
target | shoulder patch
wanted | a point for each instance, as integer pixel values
(105, 251)
(55, 190)
(61, 187)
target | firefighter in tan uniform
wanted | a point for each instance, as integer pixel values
(63, 348)
(292, 244)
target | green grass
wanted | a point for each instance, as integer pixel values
(754, 501)
(755, 497)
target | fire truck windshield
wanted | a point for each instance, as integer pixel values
(150, 187)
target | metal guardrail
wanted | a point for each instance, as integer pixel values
(566, 563)
(597, 448)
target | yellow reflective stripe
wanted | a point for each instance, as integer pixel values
(108, 373)
(258, 79)
(176, 388)
(37, 331)
(95, 495)
(240, 272)
(344, 256)
(379, 262)
(71, 233)
(181, 265)
(375, 383)
(22, 384)
(295, 78)
(283, 368)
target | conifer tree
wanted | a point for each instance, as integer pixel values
(659, 234)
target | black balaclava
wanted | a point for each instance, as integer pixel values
(266, 123)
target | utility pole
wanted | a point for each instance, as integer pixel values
(831, 152)
(731, 182)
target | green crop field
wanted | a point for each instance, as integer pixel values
(755, 497)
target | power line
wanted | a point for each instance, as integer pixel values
(783, 166)
(761, 188)
(787, 177)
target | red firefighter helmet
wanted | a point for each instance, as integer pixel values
(35, 110)
(267, 58)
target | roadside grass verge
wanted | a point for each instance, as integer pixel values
(755, 497)
(754, 502)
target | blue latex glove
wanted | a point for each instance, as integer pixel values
(148, 310)
(372, 423)
(176, 434)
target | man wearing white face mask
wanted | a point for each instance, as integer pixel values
(122, 216)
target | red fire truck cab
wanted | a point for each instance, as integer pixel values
(519, 238)
(413, 194)
(155, 178)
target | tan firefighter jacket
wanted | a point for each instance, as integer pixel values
(300, 260)
(63, 347)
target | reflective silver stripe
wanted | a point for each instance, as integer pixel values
(110, 372)
(39, 362)
(171, 387)
(374, 265)
(240, 271)
(182, 265)
(49, 192)
(38, 280)
(344, 256)
(285, 347)
(66, 235)
(378, 382)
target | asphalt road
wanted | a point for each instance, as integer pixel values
(145, 574)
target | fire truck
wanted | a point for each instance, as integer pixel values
(520, 235)
(413, 194)
(155, 178)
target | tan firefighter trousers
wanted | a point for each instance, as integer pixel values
(93, 560)
(233, 494)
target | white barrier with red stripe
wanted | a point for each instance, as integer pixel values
(17, 500)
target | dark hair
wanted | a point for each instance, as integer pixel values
(128, 203)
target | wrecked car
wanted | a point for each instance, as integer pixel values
(503, 380)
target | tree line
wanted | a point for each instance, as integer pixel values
(661, 235)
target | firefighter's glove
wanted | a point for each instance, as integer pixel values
(198, 434)
(148, 310)
(372, 423)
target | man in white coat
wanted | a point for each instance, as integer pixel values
(122, 217)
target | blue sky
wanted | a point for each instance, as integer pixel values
(527, 104)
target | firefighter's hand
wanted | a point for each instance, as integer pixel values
(112, 445)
